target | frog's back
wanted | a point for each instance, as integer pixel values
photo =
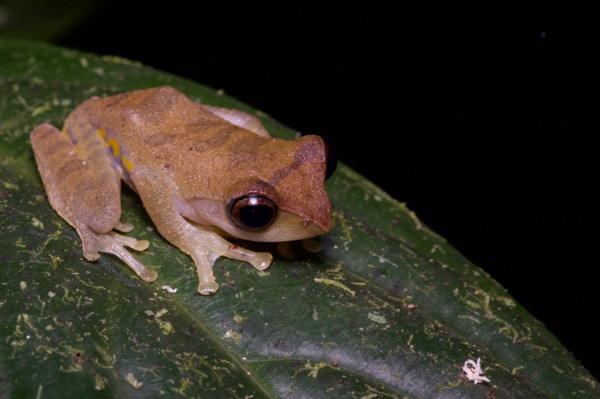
(141, 114)
(145, 125)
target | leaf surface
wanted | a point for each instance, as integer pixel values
(388, 309)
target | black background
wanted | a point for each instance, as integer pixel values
(483, 119)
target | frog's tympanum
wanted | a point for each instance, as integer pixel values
(202, 173)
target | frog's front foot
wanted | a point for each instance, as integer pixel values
(205, 261)
(207, 283)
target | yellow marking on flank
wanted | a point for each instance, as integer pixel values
(116, 149)
(126, 163)
(114, 144)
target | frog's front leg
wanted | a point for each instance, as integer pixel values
(86, 193)
(158, 192)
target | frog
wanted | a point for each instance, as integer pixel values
(206, 176)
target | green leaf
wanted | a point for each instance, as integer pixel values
(388, 309)
(42, 19)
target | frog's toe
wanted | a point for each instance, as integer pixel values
(148, 275)
(138, 245)
(208, 287)
(90, 243)
(90, 253)
(207, 283)
(123, 227)
(261, 260)
(311, 245)
(285, 249)
(114, 246)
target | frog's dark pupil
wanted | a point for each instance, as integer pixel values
(256, 216)
(252, 212)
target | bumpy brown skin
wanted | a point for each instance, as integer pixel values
(187, 162)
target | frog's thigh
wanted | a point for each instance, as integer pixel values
(88, 201)
(239, 118)
(75, 190)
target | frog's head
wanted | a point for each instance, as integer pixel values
(275, 193)
(287, 203)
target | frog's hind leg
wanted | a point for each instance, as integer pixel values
(77, 188)
(85, 191)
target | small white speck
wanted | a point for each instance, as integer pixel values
(51, 294)
(23, 285)
(169, 289)
(376, 318)
(473, 371)
(130, 378)
(37, 223)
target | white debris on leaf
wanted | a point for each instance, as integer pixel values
(473, 371)
(130, 378)
(169, 289)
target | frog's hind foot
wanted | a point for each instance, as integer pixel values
(310, 245)
(114, 243)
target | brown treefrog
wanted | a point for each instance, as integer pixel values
(202, 173)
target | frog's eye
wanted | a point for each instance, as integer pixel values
(252, 212)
